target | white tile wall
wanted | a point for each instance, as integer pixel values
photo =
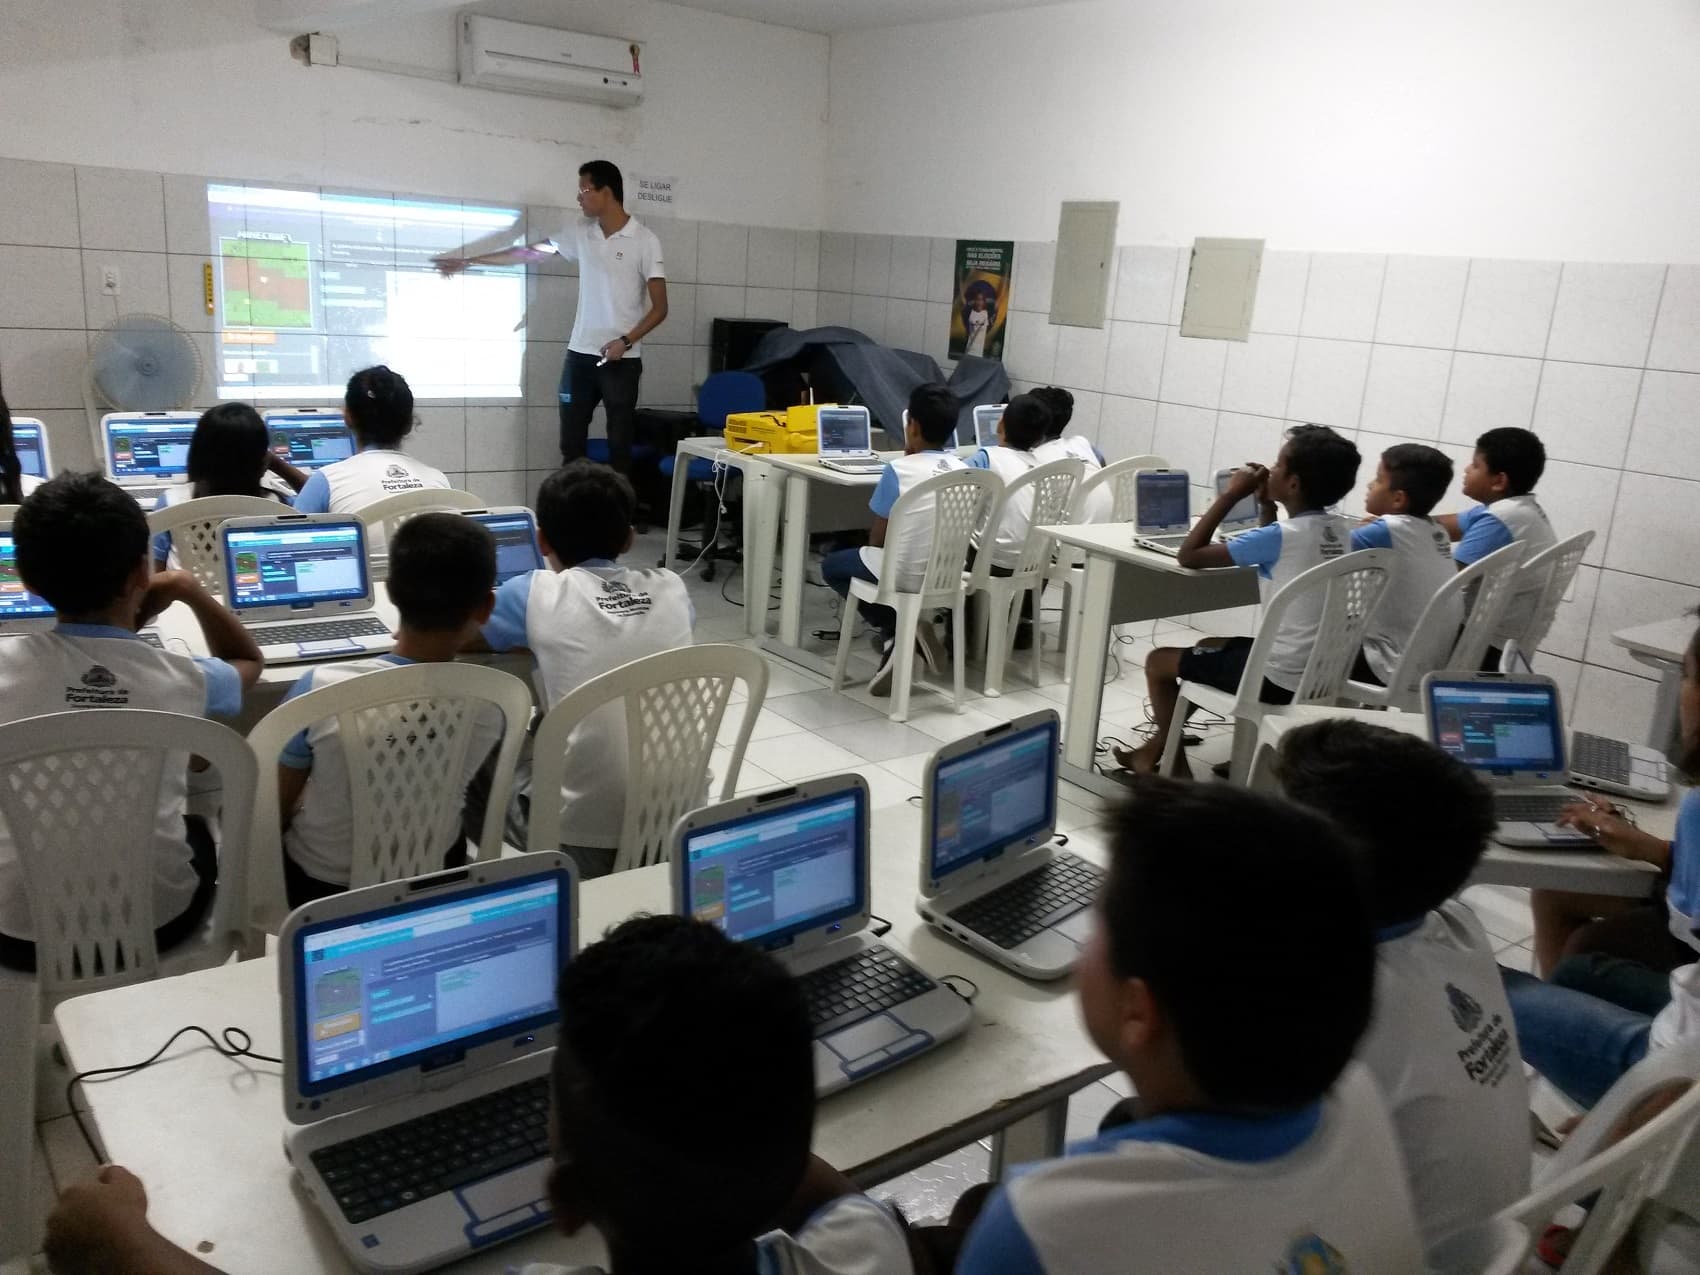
(1667, 416)
(1583, 411)
(40, 204)
(1328, 382)
(1508, 307)
(1421, 300)
(1259, 374)
(1280, 292)
(1676, 332)
(1192, 369)
(1406, 390)
(1342, 295)
(1605, 313)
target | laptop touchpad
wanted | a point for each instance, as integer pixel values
(508, 1191)
(1076, 928)
(862, 1039)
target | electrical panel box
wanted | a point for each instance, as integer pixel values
(1221, 288)
(1086, 244)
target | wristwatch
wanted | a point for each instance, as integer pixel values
(625, 340)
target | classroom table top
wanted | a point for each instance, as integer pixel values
(1663, 640)
(1116, 540)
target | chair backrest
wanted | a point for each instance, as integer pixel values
(1439, 643)
(80, 794)
(674, 702)
(1351, 585)
(1497, 1246)
(1118, 476)
(1624, 1172)
(194, 528)
(723, 393)
(383, 517)
(1546, 578)
(404, 733)
(1050, 488)
(961, 499)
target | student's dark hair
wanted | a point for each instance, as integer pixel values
(1025, 421)
(1210, 886)
(379, 406)
(934, 410)
(1516, 453)
(1060, 404)
(442, 566)
(629, 1105)
(585, 510)
(1369, 780)
(227, 454)
(1422, 472)
(11, 468)
(1325, 463)
(78, 538)
(605, 175)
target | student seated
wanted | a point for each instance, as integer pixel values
(1315, 469)
(927, 427)
(1501, 478)
(1100, 505)
(82, 544)
(632, 1160)
(1228, 975)
(1440, 1045)
(1021, 428)
(1409, 481)
(229, 455)
(581, 616)
(14, 483)
(442, 577)
(379, 407)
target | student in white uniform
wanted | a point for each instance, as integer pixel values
(14, 483)
(1315, 469)
(1060, 445)
(230, 454)
(1501, 478)
(1228, 976)
(637, 1159)
(1409, 481)
(1021, 428)
(441, 579)
(82, 544)
(1441, 1046)
(928, 424)
(581, 616)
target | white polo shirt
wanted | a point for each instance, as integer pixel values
(613, 280)
(907, 551)
(1010, 535)
(1100, 505)
(1280, 552)
(1423, 564)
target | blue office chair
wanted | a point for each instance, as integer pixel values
(718, 397)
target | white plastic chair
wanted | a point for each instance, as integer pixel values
(1439, 643)
(404, 733)
(960, 500)
(194, 526)
(673, 703)
(1624, 1174)
(1351, 585)
(1545, 578)
(1495, 1247)
(1069, 569)
(1050, 489)
(383, 517)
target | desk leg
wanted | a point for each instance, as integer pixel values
(794, 567)
(1086, 689)
(1035, 1137)
(676, 506)
(1665, 734)
(763, 493)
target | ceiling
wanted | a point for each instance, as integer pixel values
(832, 16)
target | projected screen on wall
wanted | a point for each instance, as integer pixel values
(310, 286)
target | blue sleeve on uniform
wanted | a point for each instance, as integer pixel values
(298, 753)
(979, 460)
(1099, 453)
(885, 493)
(996, 1244)
(224, 687)
(162, 546)
(315, 495)
(1374, 536)
(1483, 533)
(1260, 548)
(505, 629)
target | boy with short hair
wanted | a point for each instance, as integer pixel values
(581, 616)
(631, 1158)
(442, 574)
(1409, 481)
(928, 423)
(1257, 1149)
(1315, 469)
(1441, 1046)
(1100, 505)
(82, 544)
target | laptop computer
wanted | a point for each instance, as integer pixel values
(309, 437)
(788, 870)
(991, 876)
(515, 531)
(419, 1025)
(20, 610)
(846, 440)
(301, 584)
(29, 441)
(986, 418)
(1162, 509)
(1242, 517)
(1509, 730)
(147, 452)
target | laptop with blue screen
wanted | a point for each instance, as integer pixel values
(29, 441)
(419, 1025)
(20, 610)
(301, 584)
(309, 437)
(146, 453)
(787, 870)
(992, 876)
(515, 531)
(1162, 509)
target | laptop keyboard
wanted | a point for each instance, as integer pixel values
(1599, 757)
(1514, 809)
(380, 1172)
(1019, 909)
(322, 631)
(875, 978)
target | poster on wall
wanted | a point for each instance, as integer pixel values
(981, 304)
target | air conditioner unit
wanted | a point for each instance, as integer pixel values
(517, 57)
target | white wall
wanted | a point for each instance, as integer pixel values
(733, 108)
(1566, 129)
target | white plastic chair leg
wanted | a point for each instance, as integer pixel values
(903, 674)
(959, 653)
(998, 639)
(846, 627)
(1245, 747)
(1172, 745)
(1038, 647)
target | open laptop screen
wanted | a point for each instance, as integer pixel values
(1246, 510)
(1163, 499)
(295, 564)
(1500, 727)
(988, 799)
(309, 440)
(148, 449)
(516, 543)
(384, 990)
(17, 602)
(773, 874)
(986, 418)
(845, 429)
(31, 450)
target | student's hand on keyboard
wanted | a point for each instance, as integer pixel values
(1612, 829)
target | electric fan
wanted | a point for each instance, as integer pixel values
(140, 363)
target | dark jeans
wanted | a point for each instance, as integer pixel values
(19, 954)
(615, 386)
(1581, 1043)
(842, 566)
(300, 888)
(1632, 985)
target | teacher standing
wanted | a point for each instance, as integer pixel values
(622, 297)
